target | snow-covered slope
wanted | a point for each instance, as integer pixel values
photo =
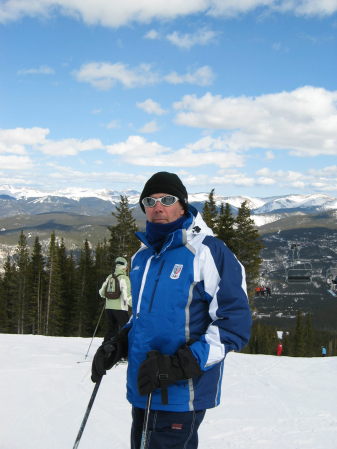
(70, 192)
(314, 201)
(264, 219)
(268, 402)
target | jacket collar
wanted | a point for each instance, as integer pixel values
(180, 237)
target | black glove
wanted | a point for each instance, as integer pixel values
(109, 353)
(160, 370)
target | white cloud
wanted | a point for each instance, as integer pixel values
(307, 7)
(113, 124)
(203, 76)
(150, 127)
(63, 173)
(152, 34)
(122, 12)
(269, 155)
(104, 75)
(261, 180)
(320, 180)
(185, 41)
(135, 146)
(42, 70)
(136, 150)
(303, 121)
(279, 47)
(14, 179)
(68, 147)
(188, 40)
(15, 140)
(151, 107)
(15, 163)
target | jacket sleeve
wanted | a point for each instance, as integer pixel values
(125, 298)
(225, 289)
(102, 289)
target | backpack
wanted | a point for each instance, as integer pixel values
(114, 291)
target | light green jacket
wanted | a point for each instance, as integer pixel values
(124, 301)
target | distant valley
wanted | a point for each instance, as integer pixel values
(309, 221)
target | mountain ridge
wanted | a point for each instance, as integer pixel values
(15, 201)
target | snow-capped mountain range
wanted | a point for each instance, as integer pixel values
(25, 201)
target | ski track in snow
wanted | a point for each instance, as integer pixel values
(268, 402)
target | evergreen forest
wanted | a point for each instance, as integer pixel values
(55, 292)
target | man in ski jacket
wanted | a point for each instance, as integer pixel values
(116, 309)
(190, 309)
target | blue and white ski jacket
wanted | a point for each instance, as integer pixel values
(193, 290)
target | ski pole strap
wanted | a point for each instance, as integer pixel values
(163, 382)
(163, 377)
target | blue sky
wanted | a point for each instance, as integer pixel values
(236, 95)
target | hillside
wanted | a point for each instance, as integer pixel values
(268, 402)
(309, 221)
(315, 247)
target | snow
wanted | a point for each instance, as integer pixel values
(257, 205)
(321, 201)
(252, 203)
(70, 192)
(268, 402)
(260, 220)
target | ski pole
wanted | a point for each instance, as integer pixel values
(146, 422)
(86, 416)
(99, 319)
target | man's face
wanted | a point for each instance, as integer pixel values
(163, 214)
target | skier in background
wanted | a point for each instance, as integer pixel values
(323, 351)
(116, 309)
(190, 309)
(279, 349)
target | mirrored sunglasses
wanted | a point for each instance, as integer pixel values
(167, 200)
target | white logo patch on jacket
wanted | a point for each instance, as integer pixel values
(177, 269)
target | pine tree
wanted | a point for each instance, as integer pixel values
(53, 324)
(263, 339)
(68, 284)
(123, 241)
(224, 225)
(22, 263)
(247, 246)
(309, 336)
(87, 303)
(299, 336)
(37, 287)
(3, 311)
(9, 298)
(102, 262)
(209, 212)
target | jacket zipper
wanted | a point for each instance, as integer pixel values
(155, 286)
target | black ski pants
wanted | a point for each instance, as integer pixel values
(167, 430)
(115, 319)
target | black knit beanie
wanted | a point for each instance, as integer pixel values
(164, 182)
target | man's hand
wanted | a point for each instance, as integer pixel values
(160, 370)
(108, 354)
